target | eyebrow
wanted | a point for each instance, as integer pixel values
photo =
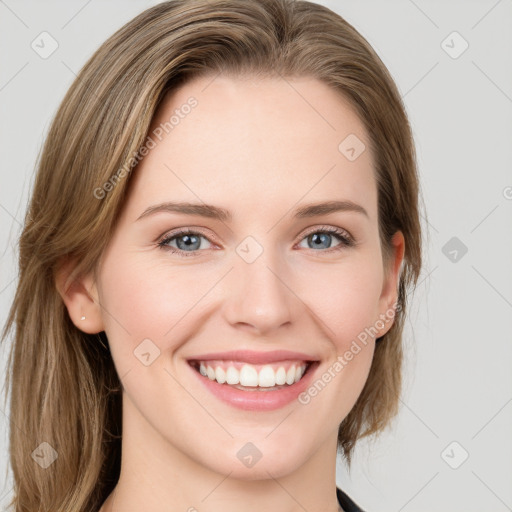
(216, 212)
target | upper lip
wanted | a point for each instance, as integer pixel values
(252, 357)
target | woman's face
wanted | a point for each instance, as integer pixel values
(264, 282)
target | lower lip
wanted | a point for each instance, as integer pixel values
(258, 400)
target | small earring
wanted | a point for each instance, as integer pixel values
(83, 318)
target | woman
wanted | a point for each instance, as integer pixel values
(214, 266)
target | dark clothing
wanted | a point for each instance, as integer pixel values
(346, 503)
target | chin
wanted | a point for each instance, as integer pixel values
(260, 459)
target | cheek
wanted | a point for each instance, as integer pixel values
(348, 301)
(346, 310)
(141, 301)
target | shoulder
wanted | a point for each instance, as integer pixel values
(346, 503)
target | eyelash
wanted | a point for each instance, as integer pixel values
(345, 239)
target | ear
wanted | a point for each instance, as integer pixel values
(389, 294)
(80, 297)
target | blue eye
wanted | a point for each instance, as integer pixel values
(320, 238)
(188, 242)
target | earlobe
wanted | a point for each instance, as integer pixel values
(80, 298)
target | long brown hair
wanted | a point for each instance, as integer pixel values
(64, 387)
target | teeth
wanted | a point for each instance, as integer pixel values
(290, 375)
(267, 377)
(220, 375)
(210, 372)
(280, 376)
(232, 376)
(248, 375)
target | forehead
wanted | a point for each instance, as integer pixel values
(248, 142)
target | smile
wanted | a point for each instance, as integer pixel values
(240, 374)
(255, 381)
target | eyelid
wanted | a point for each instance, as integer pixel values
(330, 229)
(199, 230)
(344, 237)
(183, 231)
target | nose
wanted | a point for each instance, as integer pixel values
(258, 296)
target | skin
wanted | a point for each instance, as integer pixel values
(258, 149)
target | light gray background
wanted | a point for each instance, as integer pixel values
(458, 383)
